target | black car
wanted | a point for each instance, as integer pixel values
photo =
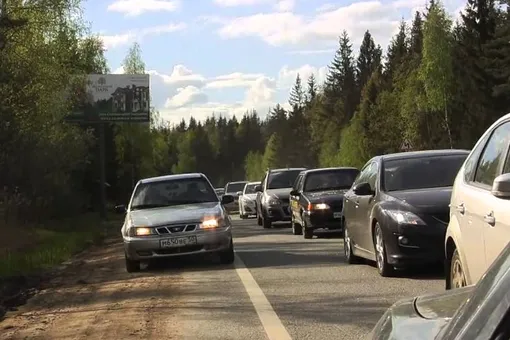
(397, 211)
(317, 198)
(480, 312)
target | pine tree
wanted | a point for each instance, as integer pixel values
(397, 51)
(340, 89)
(311, 92)
(369, 59)
(297, 97)
(416, 38)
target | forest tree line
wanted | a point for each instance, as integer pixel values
(439, 84)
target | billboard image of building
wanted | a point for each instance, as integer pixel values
(118, 97)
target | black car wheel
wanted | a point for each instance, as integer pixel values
(307, 233)
(266, 223)
(383, 267)
(349, 255)
(456, 272)
(227, 256)
(132, 266)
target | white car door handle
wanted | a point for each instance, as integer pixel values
(490, 219)
(461, 208)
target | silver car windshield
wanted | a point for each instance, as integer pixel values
(172, 192)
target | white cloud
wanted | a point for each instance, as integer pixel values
(236, 79)
(187, 96)
(279, 5)
(113, 41)
(325, 7)
(287, 76)
(183, 93)
(322, 29)
(285, 5)
(181, 76)
(133, 8)
(308, 52)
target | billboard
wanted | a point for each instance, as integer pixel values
(113, 98)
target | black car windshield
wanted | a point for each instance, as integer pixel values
(235, 187)
(330, 180)
(421, 173)
(250, 189)
(172, 192)
(282, 179)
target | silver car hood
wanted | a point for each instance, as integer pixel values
(279, 193)
(186, 213)
(250, 196)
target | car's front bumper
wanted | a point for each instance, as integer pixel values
(278, 213)
(324, 219)
(148, 248)
(415, 245)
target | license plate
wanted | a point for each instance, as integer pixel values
(337, 215)
(178, 241)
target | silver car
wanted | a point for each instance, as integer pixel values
(173, 216)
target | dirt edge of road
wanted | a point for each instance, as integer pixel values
(15, 291)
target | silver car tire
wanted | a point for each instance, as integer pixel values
(132, 266)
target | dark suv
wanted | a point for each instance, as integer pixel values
(273, 195)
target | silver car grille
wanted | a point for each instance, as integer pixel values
(175, 228)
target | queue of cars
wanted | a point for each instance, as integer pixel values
(401, 209)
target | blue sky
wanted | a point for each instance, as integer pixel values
(229, 56)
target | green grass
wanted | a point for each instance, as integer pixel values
(54, 243)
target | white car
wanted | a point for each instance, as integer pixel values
(479, 227)
(247, 200)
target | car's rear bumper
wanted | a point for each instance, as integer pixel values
(141, 249)
(325, 219)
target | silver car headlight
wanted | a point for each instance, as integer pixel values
(273, 201)
(212, 222)
(141, 231)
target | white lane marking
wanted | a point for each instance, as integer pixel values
(270, 321)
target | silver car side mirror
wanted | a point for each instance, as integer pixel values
(501, 186)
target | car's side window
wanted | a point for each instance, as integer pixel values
(362, 174)
(493, 155)
(298, 181)
(372, 175)
(506, 168)
(469, 168)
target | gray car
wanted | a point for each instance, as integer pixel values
(175, 215)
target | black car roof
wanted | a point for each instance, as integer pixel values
(424, 153)
(330, 169)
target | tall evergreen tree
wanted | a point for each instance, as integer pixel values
(297, 96)
(369, 59)
(312, 89)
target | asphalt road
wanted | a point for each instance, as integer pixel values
(281, 287)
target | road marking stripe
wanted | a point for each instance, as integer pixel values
(270, 321)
